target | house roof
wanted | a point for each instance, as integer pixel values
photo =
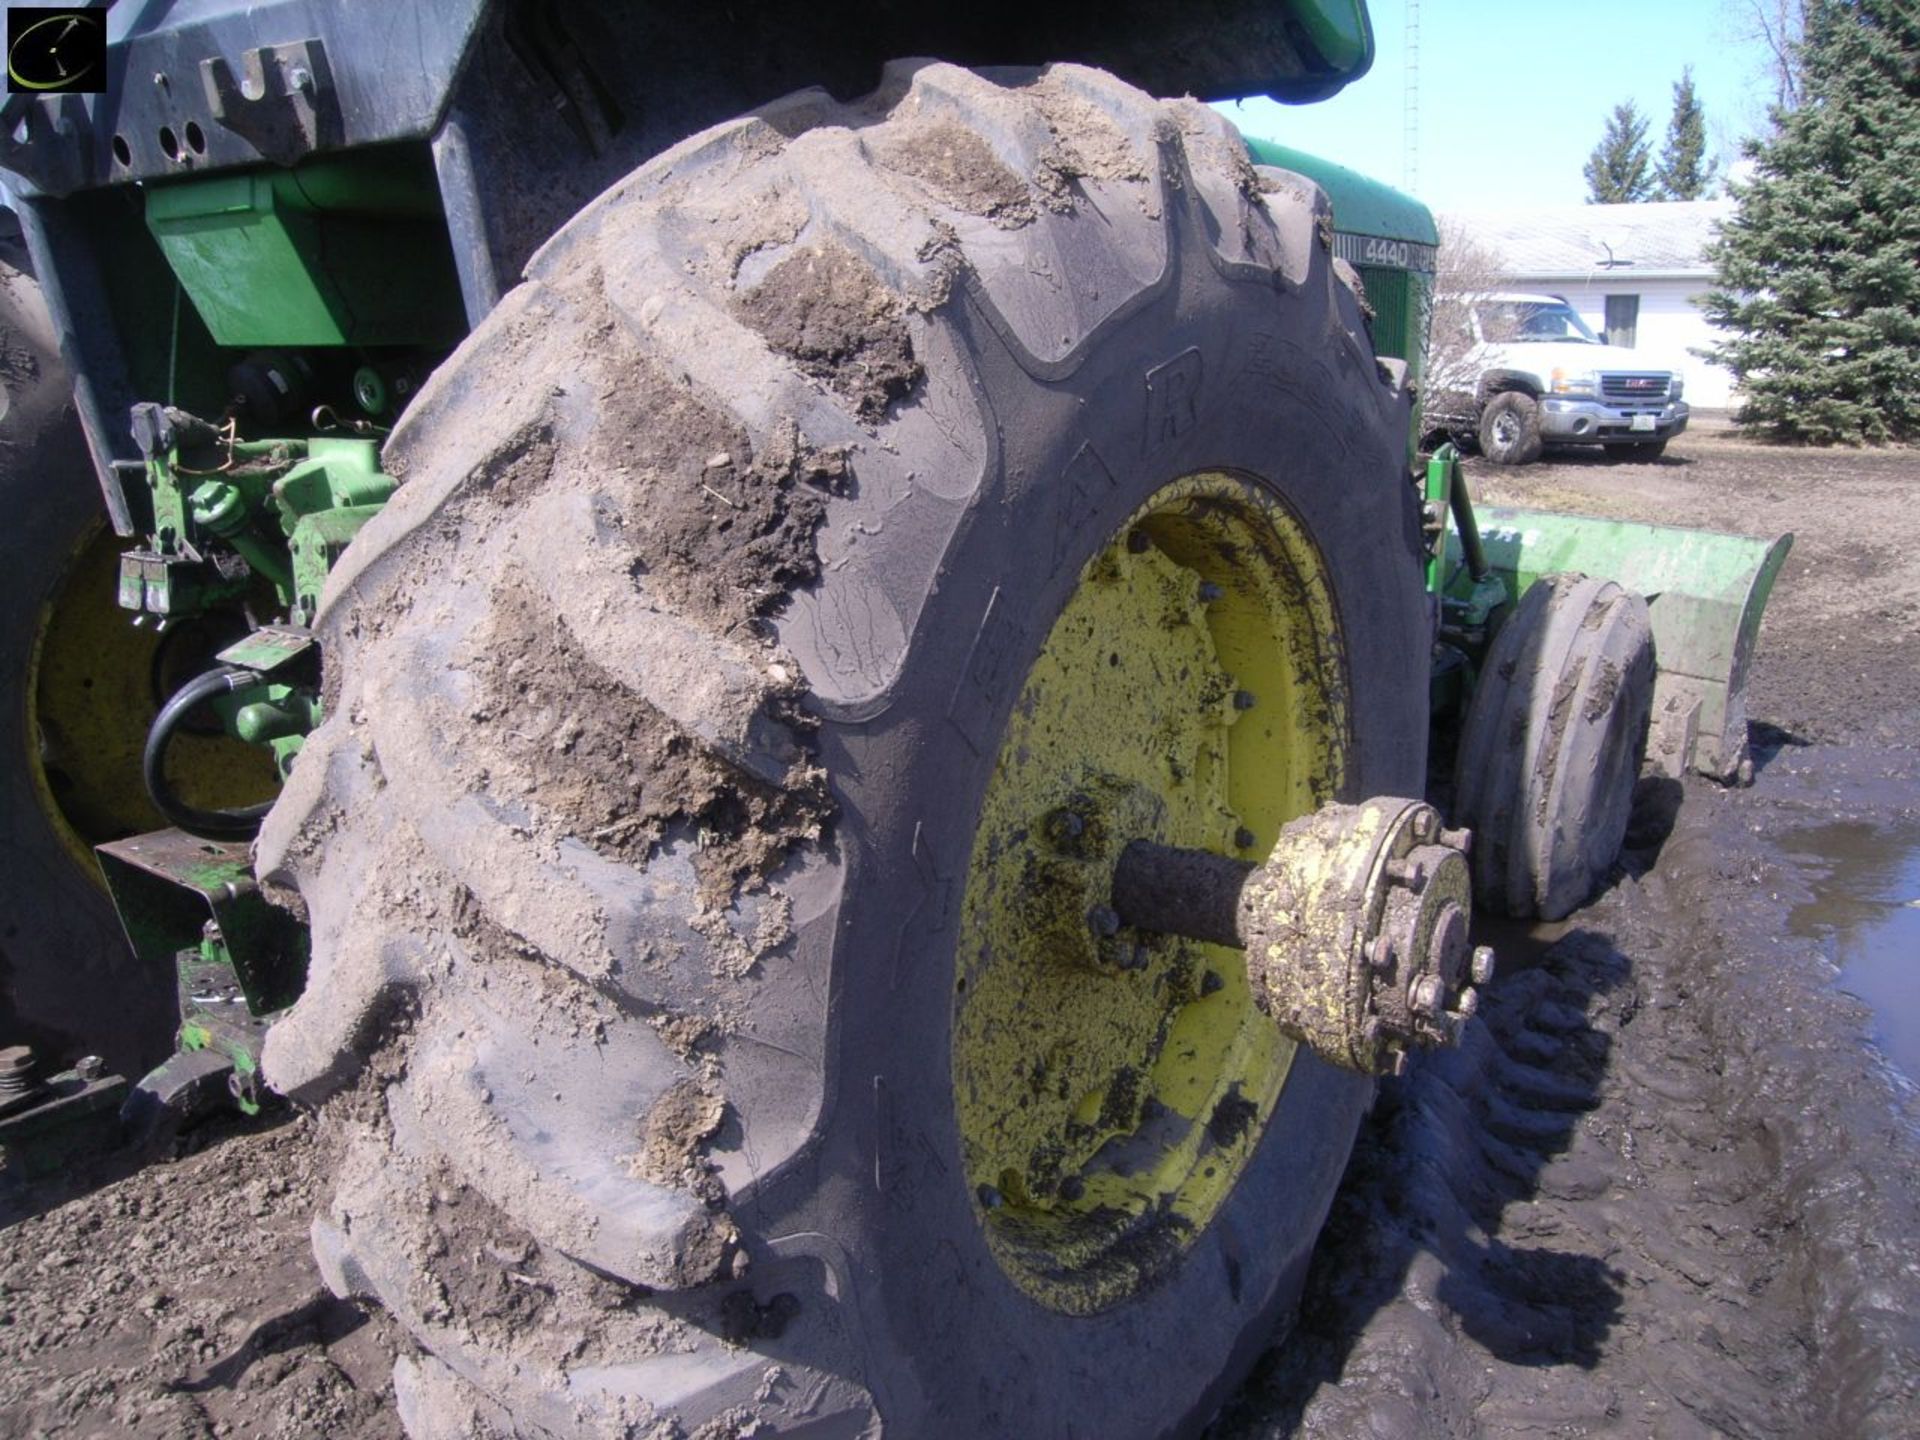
(1569, 241)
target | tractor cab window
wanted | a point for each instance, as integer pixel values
(1533, 320)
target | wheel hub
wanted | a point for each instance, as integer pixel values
(1355, 928)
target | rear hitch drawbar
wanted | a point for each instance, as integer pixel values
(1355, 927)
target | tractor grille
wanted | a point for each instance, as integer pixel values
(1625, 387)
(1390, 293)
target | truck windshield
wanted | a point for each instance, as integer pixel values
(1533, 320)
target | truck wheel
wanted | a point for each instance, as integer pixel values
(1551, 748)
(1510, 429)
(61, 948)
(863, 520)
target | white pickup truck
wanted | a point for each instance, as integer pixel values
(1541, 377)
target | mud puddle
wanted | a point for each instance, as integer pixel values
(1864, 913)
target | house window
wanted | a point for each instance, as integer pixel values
(1623, 319)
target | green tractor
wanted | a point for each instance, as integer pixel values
(795, 687)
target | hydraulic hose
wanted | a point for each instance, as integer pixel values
(241, 824)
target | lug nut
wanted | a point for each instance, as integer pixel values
(1461, 840)
(1064, 826)
(1482, 970)
(1409, 872)
(1424, 822)
(1468, 1005)
(1380, 954)
(1427, 995)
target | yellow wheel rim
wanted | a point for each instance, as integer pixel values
(1111, 1087)
(89, 686)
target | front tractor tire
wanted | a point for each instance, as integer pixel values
(862, 521)
(1552, 746)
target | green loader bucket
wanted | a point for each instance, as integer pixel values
(1704, 590)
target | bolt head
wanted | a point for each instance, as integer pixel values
(1064, 826)
(1408, 872)
(1461, 840)
(1380, 953)
(1482, 964)
(1243, 838)
(1427, 995)
(1243, 700)
(1103, 920)
(1468, 1005)
(1425, 823)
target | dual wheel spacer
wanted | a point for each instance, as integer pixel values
(1354, 927)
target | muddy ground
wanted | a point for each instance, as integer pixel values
(1669, 1189)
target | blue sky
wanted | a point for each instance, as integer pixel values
(1513, 96)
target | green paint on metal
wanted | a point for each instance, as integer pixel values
(1361, 204)
(1705, 591)
(173, 891)
(1340, 30)
(1436, 496)
(195, 1037)
(335, 474)
(317, 544)
(338, 252)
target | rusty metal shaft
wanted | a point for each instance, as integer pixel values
(1175, 891)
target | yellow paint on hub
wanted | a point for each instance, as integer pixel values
(1110, 1088)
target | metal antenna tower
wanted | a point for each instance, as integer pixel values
(1410, 102)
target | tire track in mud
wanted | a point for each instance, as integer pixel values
(1663, 1190)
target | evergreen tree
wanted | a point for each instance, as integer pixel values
(1684, 172)
(1817, 276)
(1618, 170)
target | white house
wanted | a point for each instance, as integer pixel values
(1631, 270)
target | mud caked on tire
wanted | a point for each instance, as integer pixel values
(851, 504)
(1509, 431)
(1553, 743)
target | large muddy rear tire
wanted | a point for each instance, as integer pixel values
(755, 564)
(62, 952)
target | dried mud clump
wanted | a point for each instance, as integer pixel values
(580, 745)
(674, 1137)
(828, 311)
(719, 529)
(958, 166)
